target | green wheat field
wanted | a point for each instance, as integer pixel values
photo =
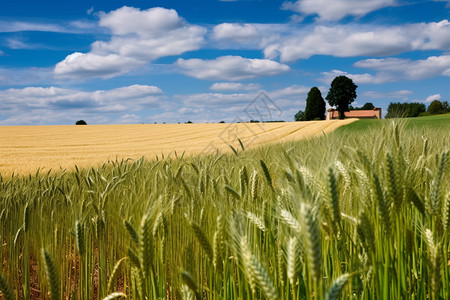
(361, 213)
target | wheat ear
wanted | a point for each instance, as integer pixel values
(51, 274)
(145, 245)
(337, 286)
(312, 239)
(114, 274)
(255, 273)
(115, 296)
(202, 239)
(134, 235)
(190, 282)
(79, 235)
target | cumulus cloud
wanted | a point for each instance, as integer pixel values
(337, 9)
(138, 37)
(231, 68)
(327, 77)
(235, 86)
(84, 65)
(42, 102)
(399, 94)
(350, 40)
(407, 69)
(283, 104)
(431, 98)
(290, 91)
(236, 32)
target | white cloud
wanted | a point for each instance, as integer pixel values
(85, 27)
(407, 69)
(90, 10)
(236, 32)
(25, 76)
(17, 26)
(129, 119)
(395, 69)
(290, 91)
(83, 65)
(327, 77)
(235, 86)
(431, 98)
(283, 103)
(22, 43)
(337, 9)
(205, 100)
(138, 37)
(350, 40)
(39, 105)
(230, 68)
(400, 94)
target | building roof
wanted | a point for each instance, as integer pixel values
(356, 113)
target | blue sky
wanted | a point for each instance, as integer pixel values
(110, 62)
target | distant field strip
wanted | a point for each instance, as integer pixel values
(24, 149)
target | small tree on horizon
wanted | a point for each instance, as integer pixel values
(81, 122)
(368, 106)
(342, 92)
(300, 116)
(315, 105)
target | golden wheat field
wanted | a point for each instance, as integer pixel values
(25, 149)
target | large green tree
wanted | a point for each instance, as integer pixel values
(342, 92)
(435, 108)
(315, 105)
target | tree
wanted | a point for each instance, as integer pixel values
(405, 110)
(435, 108)
(368, 106)
(315, 105)
(445, 107)
(300, 116)
(81, 122)
(342, 92)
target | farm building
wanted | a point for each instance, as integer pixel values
(359, 114)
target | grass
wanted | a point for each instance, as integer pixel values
(362, 216)
(439, 122)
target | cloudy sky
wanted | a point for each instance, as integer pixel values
(206, 61)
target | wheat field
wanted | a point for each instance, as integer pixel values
(347, 215)
(25, 149)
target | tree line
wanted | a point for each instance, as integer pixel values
(415, 109)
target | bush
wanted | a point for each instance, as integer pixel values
(81, 122)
